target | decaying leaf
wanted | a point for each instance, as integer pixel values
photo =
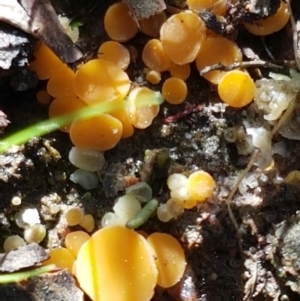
(22, 257)
(38, 18)
(143, 9)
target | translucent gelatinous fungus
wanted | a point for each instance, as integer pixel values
(170, 259)
(116, 53)
(141, 116)
(181, 36)
(210, 54)
(155, 57)
(236, 88)
(100, 80)
(119, 24)
(271, 24)
(174, 90)
(101, 133)
(116, 264)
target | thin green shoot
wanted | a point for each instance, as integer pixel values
(20, 276)
(47, 126)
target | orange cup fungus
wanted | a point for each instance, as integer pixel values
(43, 97)
(151, 26)
(62, 258)
(218, 7)
(271, 24)
(100, 133)
(174, 90)
(74, 241)
(236, 88)
(116, 264)
(153, 77)
(170, 259)
(64, 105)
(155, 57)
(100, 80)
(180, 71)
(101, 267)
(60, 83)
(200, 186)
(119, 24)
(46, 62)
(181, 36)
(115, 53)
(123, 116)
(216, 49)
(141, 116)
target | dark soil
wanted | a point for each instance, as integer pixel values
(260, 262)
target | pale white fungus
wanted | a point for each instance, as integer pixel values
(35, 233)
(86, 159)
(26, 217)
(13, 242)
(88, 180)
(141, 190)
(274, 95)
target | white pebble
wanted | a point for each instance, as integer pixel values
(86, 159)
(13, 242)
(88, 180)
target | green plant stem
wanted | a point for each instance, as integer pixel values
(143, 215)
(53, 124)
(20, 276)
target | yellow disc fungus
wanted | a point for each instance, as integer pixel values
(74, 216)
(174, 90)
(100, 80)
(169, 258)
(216, 49)
(155, 57)
(88, 222)
(116, 53)
(181, 36)
(64, 105)
(119, 24)
(116, 264)
(60, 83)
(101, 133)
(180, 71)
(141, 116)
(61, 257)
(200, 186)
(153, 77)
(236, 88)
(75, 240)
(151, 26)
(271, 24)
(45, 63)
(218, 7)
